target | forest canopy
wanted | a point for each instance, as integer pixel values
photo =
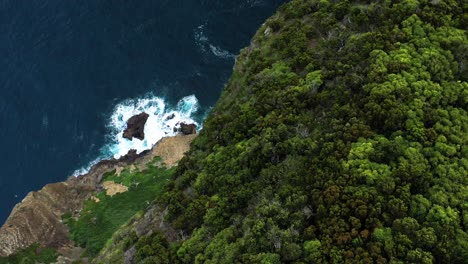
(341, 137)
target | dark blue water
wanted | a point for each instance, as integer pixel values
(64, 66)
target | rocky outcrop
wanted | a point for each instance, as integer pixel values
(136, 127)
(186, 129)
(170, 117)
(37, 219)
(171, 149)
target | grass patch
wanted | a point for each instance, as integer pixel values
(99, 220)
(31, 255)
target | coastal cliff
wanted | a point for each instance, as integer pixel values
(38, 218)
(340, 138)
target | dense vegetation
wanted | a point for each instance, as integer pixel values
(99, 220)
(31, 255)
(341, 137)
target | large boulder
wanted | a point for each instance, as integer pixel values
(136, 127)
(188, 129)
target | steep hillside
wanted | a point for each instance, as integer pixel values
(74, 219)
(342, 136)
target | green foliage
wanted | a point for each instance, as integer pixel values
(153, 249)
(312, 250)
(31, 255)
(99, 220)
(341, 137)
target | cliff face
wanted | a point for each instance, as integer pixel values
(340, 138)
(337, 140)
(38, 218)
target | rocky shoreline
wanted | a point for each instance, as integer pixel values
(38, 218)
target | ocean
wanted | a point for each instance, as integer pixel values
(72, 72)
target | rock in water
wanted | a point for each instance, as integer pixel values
(136, 127)
(188, 129)
(170, 117)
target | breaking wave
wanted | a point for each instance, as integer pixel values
(161, 122)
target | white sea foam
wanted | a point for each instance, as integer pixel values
(204, 44)
(218, 52)
(161, 122)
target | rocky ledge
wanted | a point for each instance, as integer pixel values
(185, 129)
(38, 218)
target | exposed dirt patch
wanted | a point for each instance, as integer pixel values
(118, 170)
(94, 198)
(113, 188)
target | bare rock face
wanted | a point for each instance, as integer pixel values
(172, 149)
(38, 218)
(136, 127)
